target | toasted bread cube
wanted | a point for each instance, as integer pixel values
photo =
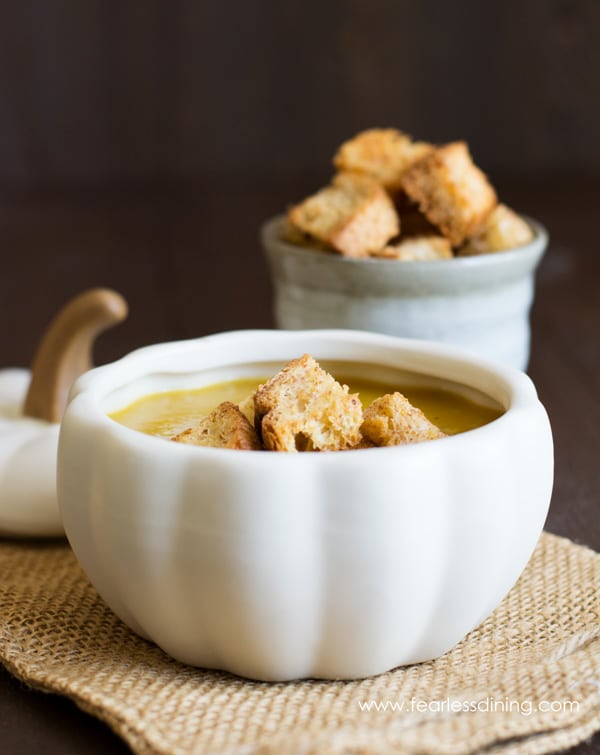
(503, 229)
(247, 408)
(225, 427)
(362, 443)
(303, 408)
(382, 153)
(354, 215)
(293, 235)
(452, 192)
(417, 249)
(412, 220)
(414, 223)
(392, 420)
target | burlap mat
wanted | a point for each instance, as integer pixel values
(527, 680)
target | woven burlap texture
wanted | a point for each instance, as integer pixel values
(531, 670)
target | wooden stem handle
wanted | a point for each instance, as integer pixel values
(65, 351)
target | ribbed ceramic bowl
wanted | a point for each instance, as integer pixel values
(28, 505)
(280, 566)
(479, 303)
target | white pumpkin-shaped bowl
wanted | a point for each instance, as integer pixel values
(31, 405)
(279, 566)
(28, 445)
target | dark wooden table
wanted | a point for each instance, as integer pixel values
(189, 264)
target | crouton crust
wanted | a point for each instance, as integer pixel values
(417, 249)
(503, 229)
(383, 154)
(293, 235)
(392, 420)
(452, 192)
(354, 215)
(362, 443)
(303, 408)
(225, 427)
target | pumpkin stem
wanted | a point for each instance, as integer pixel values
(65, 351)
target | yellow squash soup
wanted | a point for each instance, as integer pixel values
(169, 413)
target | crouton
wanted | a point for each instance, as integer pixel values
(303, 408)
(294, 235)
(392, 420)
(412, 220)
(225, 427)
(362, 443)
(247, 408)
(383, 154)
(451, 191)
(417, 249)
(354, 215)
(503, 229)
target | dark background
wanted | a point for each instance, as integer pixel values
(103, 94)
(149, 119)
(142, 143)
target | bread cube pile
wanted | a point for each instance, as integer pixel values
(304, 408)
(397, 199)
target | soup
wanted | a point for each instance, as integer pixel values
(451, 407)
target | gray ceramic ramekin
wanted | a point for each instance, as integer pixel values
(480, 303)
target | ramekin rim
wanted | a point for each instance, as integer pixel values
(533, 248)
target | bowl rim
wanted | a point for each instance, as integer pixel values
(89, 390)
(532, 250)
